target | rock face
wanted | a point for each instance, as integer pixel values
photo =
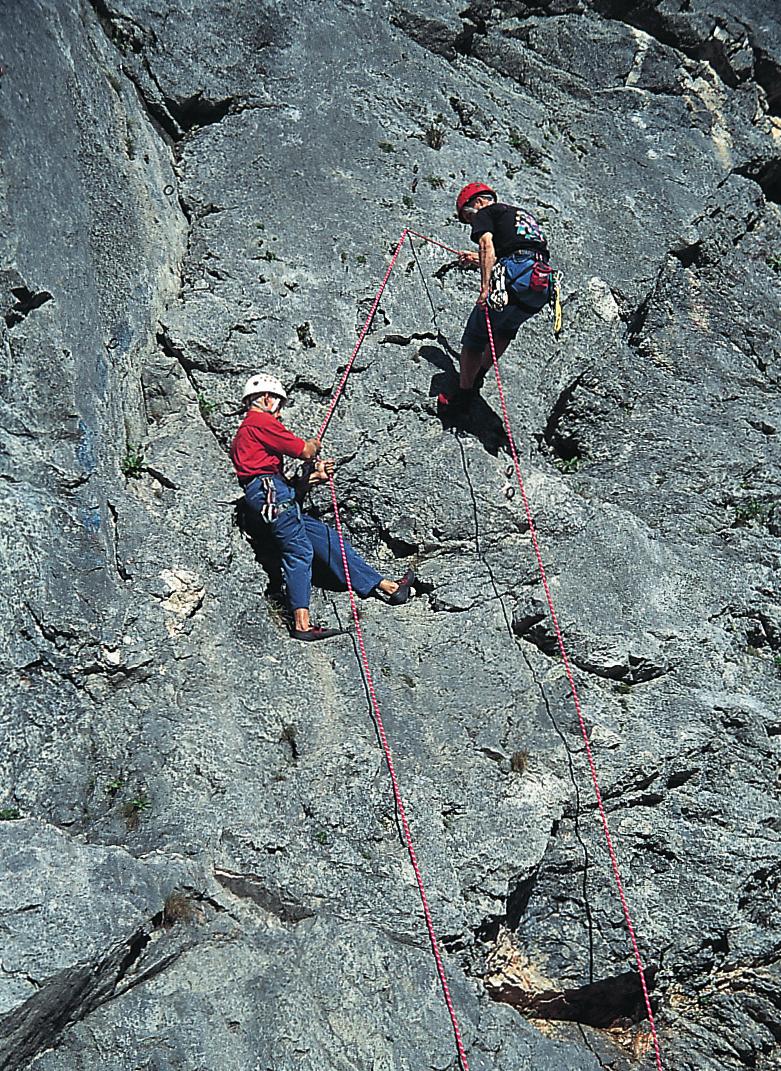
(207, 871)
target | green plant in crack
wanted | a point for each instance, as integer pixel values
(434, 135)
(519, 760)
(321, 837)
(179, 907)
(132, 464)
(518, 141)
(206, 405)
(749, 511)
(134, 808)
(568, 464)
(9, 814)
(386, 146)
(435, 182)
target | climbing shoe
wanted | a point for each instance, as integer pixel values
(454, 407)
(310, 635)
(398, 598)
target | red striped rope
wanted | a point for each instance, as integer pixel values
(370, 681)
(373, 698)
(367, 676)
(361, 337)
(575, 697)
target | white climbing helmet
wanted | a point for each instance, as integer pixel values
(263, 384)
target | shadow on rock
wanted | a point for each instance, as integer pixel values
(481, 421)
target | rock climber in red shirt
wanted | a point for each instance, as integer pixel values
(257, 450)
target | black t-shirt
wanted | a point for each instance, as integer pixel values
(511, 228)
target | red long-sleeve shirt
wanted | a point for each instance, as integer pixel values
(260, 444)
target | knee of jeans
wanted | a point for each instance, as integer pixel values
(301, 551)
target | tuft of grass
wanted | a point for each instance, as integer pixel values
(386, 146)
(9, 814)
(113, 786)
(435, 182)
(133, 809)
(132, 464)
(407, 201)
(519, 760)
(206, 405)
(518, 141)
(773, 261)
(179, 908)
(304, 333)
(568, 464)
(747, 512)
(277, 610)
(360, 259)
(321, 837)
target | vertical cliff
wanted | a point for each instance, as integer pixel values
(202, 866)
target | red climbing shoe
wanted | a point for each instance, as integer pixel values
(310, 635)
(398, 598)
(454, 407)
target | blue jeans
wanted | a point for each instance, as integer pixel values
(301, 539)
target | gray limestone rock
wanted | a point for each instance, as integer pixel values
(202, 862)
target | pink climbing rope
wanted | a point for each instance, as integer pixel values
(370, 681)
(575, 698)
(361, 337)
(560, 639)
(367, 675)
(433, 241)
(370, 317)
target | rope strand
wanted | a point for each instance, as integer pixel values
(369, 682)
(575, 697)
(366, 670)
(402, 812)
(361, 337)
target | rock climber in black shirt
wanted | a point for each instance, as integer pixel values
(510, 237)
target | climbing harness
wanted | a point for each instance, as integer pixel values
(524, 278)
(271, 507)
(401, 810)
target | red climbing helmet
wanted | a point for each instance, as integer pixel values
(469, 192)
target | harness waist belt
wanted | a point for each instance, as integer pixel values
(273, 507)
(527, 251)
(245, 481)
